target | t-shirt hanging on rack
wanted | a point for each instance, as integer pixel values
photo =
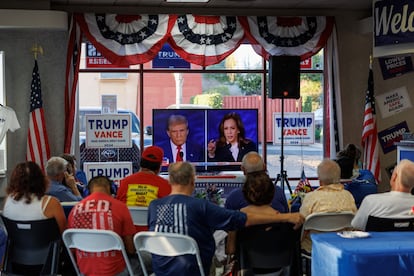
(8, 121)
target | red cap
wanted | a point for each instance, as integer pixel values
(153, 154)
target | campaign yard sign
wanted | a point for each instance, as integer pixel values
(108, 131)
(390, 136)
(298, 128)
(393, 102)
(113, 170)
(395, 66)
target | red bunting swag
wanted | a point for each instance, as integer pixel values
(206, 40)
(291, 36)
(126, 39)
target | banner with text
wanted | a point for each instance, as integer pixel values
(298, 128)
(113, 170)
(388, 137)
(393, 102)
(108, 131)
(395, 66)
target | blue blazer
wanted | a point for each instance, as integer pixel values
(193, 152)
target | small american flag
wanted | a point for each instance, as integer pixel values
(304, 184)
(37, 142)
(370, 133)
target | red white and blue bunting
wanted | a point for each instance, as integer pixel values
(202, 40)
(127, 39)
(290, 36)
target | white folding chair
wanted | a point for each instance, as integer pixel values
(139, 215)
(325, 222)
(166, 244)
(93, 240)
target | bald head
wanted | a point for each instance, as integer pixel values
(252, 162)
(402, 178)
(329, 172)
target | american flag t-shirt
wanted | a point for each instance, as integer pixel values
(37, 141)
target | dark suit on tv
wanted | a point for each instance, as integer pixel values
(193, 152)
(223, 154)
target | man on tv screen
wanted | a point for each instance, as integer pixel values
(177, 148)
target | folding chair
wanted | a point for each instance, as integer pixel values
(265, 248)
(31, 247)
(379, 224)
(139, 215)
(93, 240)
(166, 244)
(324, 222)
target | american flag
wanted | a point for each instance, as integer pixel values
(304, 184)
(37, 142)
(71, 86)
(369, 133)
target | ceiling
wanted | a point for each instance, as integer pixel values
(239, 7)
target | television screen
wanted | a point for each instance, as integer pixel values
(215, 140)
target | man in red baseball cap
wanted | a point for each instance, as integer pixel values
(146, 185)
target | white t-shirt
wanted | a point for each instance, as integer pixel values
(8, 121)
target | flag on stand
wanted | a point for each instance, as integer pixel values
(370, 143)
(37, 142)
(304, 184)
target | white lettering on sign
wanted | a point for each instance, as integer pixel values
(387, 20)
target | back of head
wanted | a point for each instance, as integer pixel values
(181, 173)
(25, 180)
(56, 165)
(151, 158)
(405, 174)
(329, 172)
(258, 189)
(252, 162)
(100, 183)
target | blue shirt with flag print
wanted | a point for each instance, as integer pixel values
(197, 218)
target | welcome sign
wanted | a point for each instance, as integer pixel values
(393, 27)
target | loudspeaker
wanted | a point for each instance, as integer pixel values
(284, 77)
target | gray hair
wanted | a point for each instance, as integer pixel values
(329, 172)
(252, 162)
(405, 171)
(176, 119)
(181, 173)
(56, 165)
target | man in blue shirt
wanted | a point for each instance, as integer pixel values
(181, 213)
(253, 162)
(56, 169)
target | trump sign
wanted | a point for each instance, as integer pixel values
(298, 128)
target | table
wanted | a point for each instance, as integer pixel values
(383, 253)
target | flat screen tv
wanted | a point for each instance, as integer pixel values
(203, 128)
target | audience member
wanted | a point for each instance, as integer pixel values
(100, 210)
(348, 160)
(26, 198)
(394, 204)
(178, 147)
(63, 185)
(181, 213)
(140, 188)
(253, 162)
(329, 197)
(80, 176)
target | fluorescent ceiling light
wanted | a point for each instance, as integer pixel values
(187, 1)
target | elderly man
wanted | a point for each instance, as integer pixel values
(62, 184)
(394, 204)
(181, 213)
(329, 197)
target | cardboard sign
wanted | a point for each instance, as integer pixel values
(393, 102)
(395, 66)
(298, 128)
(388, 137)
(108, 131)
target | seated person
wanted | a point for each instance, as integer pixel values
(258, 190)
(394, 204)
(253, 162)
(329, 197)
(62, 184)
(362, 181)
(80, 176)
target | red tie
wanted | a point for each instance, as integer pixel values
(179, 156)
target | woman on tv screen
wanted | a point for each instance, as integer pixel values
(232, 144)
